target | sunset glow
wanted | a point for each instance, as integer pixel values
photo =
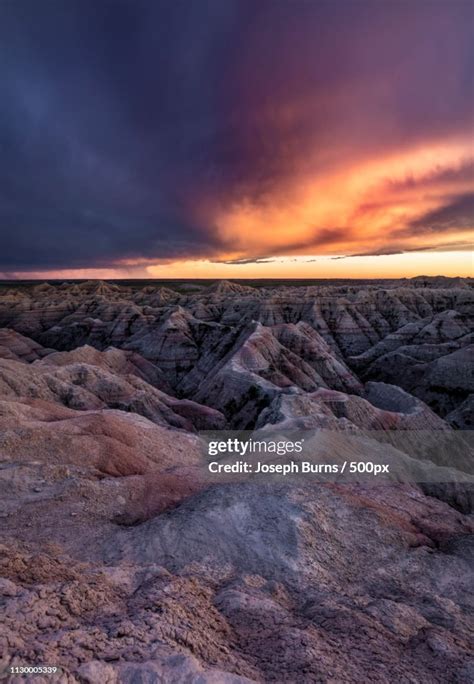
(368, 207)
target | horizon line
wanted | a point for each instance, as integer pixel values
(229, 279)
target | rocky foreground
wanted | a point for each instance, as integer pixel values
(121, 562)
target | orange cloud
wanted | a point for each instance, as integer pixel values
(355, 208)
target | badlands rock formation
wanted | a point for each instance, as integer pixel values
(122, 560)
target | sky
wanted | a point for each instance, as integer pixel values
(234, 138)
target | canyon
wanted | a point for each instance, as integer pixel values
(123, 561)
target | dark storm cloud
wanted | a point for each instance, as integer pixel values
(120, 121)
(106, 117)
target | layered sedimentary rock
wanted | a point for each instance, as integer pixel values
(433, 358)
(20, 348)
(123, 560)
(417, 335)
(89, 379)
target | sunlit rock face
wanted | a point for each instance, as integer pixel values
(118, 547)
